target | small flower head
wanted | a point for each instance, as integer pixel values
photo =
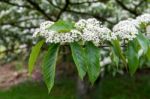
(37, 31)
(145, 18)
(106, 34)
(126, 29)
(80, 24)
(46, 25)
(96, 33)
(93, 22)
(56, 37)
(43, 30)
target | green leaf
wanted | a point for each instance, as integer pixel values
(136, 45)
(49, 65)
(133, 60)
(143, 42)
(93, 61)
(117, 50)
(79, 58)
(114, 57)
(62, 26)
(148, 53)
(34, 54)
(116, 47)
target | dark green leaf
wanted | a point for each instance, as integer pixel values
(79, 58)
(34, 54)
(133, 60)
(62, 26)
(49, 65)
(93, 61)
(148, 53)
(117, 50)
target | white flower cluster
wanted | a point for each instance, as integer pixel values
(92, 30)
(86, 30)
(72, 36)
(56, 37)
(145, 18)
(126, 29)
(43, 30)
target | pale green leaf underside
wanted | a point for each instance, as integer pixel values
(34, 54)
(133, 60)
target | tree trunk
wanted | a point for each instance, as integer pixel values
(82, 89)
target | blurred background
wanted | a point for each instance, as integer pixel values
(19, 19)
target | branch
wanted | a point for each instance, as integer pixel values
(140, 3)
(126, 8)
(37, 7)
(63, 9)
(50, 1)
(103, 18)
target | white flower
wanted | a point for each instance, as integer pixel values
(95, 32)
(106, 34)
(134, 22)
(80, 24)
(50, 36)
(43, 30)
(37, 31)
(62, 38)
(93, 22)
(86, 30)
(57, 37)
(126, 29)
(145, 18)
(46, 25)
(90, 34)
(148, 29)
